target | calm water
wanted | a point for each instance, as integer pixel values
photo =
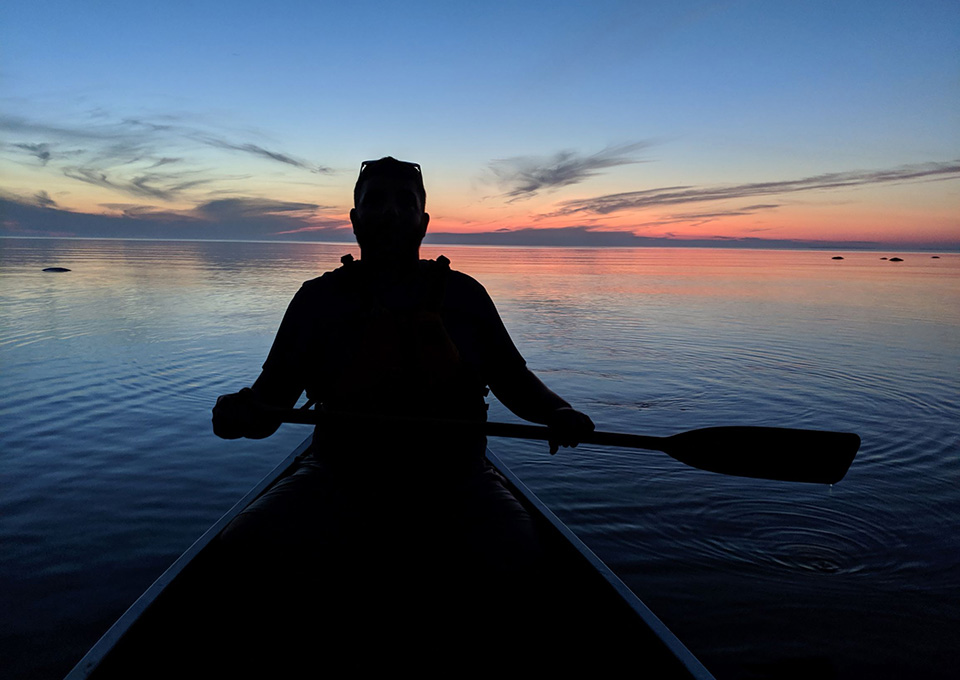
(109, 469)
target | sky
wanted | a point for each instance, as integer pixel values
(564, 123)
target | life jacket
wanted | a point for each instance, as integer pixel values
(398, 358)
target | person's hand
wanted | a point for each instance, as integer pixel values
(568, 427)
(242, 415)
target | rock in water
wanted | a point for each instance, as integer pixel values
(896, 259)
(56, 269)
(836, 257)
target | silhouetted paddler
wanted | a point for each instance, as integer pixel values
(392, 334)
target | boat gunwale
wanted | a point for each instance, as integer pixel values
(110, 639)
(690, 662)
(88, 664)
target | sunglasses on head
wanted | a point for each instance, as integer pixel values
(391, 161)
(390, 166)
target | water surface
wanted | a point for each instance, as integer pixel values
(109, 470)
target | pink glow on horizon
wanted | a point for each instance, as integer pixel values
(838, 223)
(922, 213)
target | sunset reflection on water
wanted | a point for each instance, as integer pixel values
(110, 468)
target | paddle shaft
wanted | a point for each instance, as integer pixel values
(762, 452)
(508, 430)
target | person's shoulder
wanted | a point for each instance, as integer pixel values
(456, 281)
(466, 283)
(333, 279)
(462, 290)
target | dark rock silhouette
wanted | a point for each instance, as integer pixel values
(836, 257)
(56, 269)
(896, 259)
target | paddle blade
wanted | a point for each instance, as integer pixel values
(767, 452)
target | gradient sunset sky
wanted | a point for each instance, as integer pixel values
(535, 122)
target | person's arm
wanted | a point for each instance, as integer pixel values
(525, 395)
(243, 413)
(512, 382)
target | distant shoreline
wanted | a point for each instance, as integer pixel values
(453, 239)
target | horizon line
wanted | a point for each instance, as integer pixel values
(705, 244)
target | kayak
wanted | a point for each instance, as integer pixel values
(582, 617)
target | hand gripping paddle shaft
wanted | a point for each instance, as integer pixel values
(783, 454)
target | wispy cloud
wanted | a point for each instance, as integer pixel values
(40, 151)
(235, 218)
(42, 199)
(525, 176)
(679, 195)
(159, 159)
(163, 186)
(696, 219)
(733, 212)
(219, 141)
(244, 208)
(328, 229)
(135, 210)
(257, 150)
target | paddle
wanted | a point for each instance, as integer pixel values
(763, 452)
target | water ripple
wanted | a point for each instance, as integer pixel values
(109, 467)
(796, 536)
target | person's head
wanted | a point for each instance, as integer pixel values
(389, 217)
(388, 166)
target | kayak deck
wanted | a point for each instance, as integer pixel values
(579, 615)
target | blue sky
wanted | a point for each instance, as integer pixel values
(249, 119)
